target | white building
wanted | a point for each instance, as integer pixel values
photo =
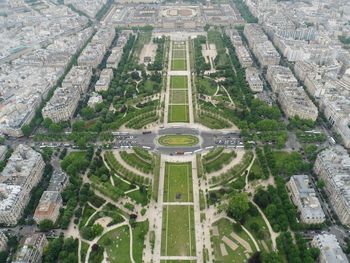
(3, 241)
(295, 102)
(254, 81)
(280, 77)
(304, 197)
(105, 79)
(94, 100)
(330, 250)
(21, 174)
(31, 249)
(333, 167)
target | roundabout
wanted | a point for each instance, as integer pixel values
(175, 140)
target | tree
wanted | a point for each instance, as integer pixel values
(26, 130)
(272, 257)
(238, 205)
(320, 184)
(45, 225)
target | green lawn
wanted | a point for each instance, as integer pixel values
(178, 96)
(179, 53)
(117, 245)
(178, 113)
(206, 86)
(225, 228)
(178, 140)
(178, 82)
(178, 64)
(178, 180)
(178, 236)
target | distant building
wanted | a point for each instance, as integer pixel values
(48, 207)
(3, 151)
(330, 250)
(280, 77)
(3, 241)
(333, 167)
(31, 249)
(58, 181)
(304, 197)
(254, 81)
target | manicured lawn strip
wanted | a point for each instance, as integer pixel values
(142, 120)
(177, 261)
(87, 212)
(178, 96)
(138, 232)
(235, 171)
(178, 140)
(179, 45)
(178, 82)
(225, 228)
(219, 162)
(213, 154)
(134, 161)
(122, 171)
(212, 121)
(178, 113)
(143, 154)
(178, 64)
(178, 238)
(156, 174)
(178, 53)
(117, 244)
(178, 180)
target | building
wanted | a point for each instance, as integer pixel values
(78, 78)
(3, 151)
(330, 250)
(253, 79)
(280, 77)
(31, 249)
(304, 197)
(48, 207)
(58, 181)
(244, 57)
(105, 79)
(295, 102)
(62, 105)
(21, 174)
(94, 100)
(333, 167)
(3, 241)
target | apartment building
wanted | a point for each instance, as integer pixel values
(244, 57)
(330, 250)
(48, 207)
(304, 197)
(3, 151)
(280, 77)
(31, 249)
(105, 79)
(22, 172)
(62, 105)
(295, 102)
(253, 79)
(78, 78)
(333, 167)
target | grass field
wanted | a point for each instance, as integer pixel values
(178, 181)
(225, 229)
(117, 245)
(178, 113)
(178, 140)
(178, 97)
(178, 82)
(178, 64)
(178, 238)
(179, 53)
